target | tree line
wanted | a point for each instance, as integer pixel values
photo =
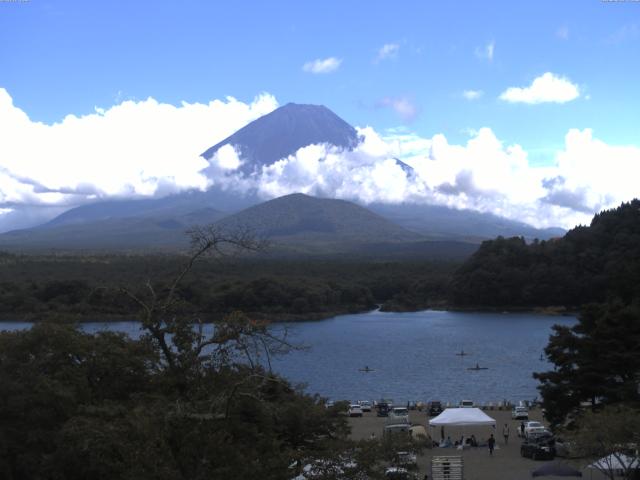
(594, 263)
(86, 287)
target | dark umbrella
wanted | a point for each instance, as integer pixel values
(555, 469)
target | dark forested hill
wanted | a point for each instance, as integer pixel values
(299, 215)
(588, 264)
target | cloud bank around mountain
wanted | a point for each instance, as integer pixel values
(135, 148)
(148, 148)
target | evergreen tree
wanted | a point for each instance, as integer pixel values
(596, 361)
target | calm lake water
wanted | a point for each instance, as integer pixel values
(412, 355)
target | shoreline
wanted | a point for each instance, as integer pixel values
(552, 311)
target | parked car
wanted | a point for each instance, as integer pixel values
(382, 409)
(540, 448)
(435, 408)
(537, 433)
(520, 413)
(405, 459)
(355, 410)
(531, 424)
(398, 473)
(323, 468)
(399, 415)
(466, 404)
(365, 405)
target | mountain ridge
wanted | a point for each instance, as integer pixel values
(297, 225)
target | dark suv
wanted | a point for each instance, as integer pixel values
(383, 409)
(539, 448)
(435, 408)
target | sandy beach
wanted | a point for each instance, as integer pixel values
(506, 462)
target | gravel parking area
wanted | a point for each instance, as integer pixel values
(505, 464)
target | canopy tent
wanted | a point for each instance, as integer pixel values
(462, 417)
(616, 461)
(556, 469)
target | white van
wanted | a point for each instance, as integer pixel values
(466, 404)
(398, 415)
(520, 413)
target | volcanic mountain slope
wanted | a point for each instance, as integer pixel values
(284, 131)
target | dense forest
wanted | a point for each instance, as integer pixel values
(592, 394)
(589, 264)
(89, 287)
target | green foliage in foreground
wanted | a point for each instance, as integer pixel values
(75, 406)
(79, 406)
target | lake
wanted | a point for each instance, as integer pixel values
(412, 355)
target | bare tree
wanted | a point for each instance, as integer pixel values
(181, 340)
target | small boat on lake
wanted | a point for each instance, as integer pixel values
(462, 353)
(478, 367)
(366, 369)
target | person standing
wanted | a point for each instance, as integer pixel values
(505, 433)
(492, 443)
(522, 429)
(442, 433)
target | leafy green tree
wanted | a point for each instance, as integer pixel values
(47, 376)
(596, 361)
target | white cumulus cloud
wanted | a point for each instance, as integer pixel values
(147, 148)
(322, 65)
(547, 88)
(387, 51)
(472, 94)
(135, 148)
(367, 174)
(484, 174)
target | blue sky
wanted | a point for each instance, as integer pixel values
(401, 65)
(69, 56)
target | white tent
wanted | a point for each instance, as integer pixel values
(617, 461)
(462, 417)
